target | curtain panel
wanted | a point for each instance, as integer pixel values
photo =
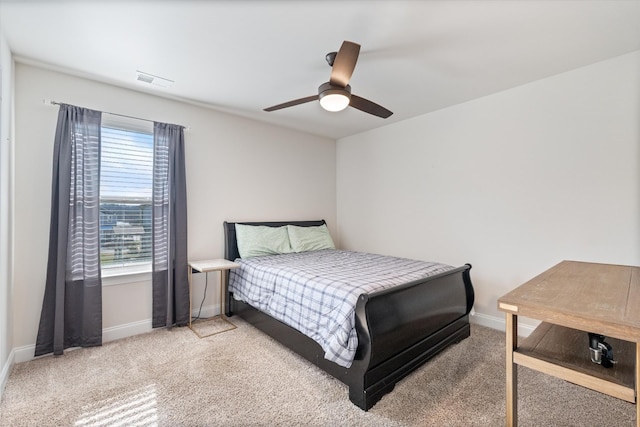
(71, 313)
(169, 279)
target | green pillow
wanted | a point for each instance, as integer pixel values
(310, 238)
(257, 240)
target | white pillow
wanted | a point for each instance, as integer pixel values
(310, 238)
(258, 240)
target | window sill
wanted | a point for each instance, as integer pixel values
(125, 275)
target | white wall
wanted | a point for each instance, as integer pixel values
(6, 73)
(237, 169)
(512, 183)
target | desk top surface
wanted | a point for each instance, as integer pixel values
(601, 298)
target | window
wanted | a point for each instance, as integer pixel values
(126, 183)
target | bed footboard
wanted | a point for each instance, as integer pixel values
(401, 328)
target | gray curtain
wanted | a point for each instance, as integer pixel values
(170, 280)
(72, 307)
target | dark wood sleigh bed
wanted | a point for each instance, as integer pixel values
(398, 329)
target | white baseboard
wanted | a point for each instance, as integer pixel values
(498, 323)
(26, 352)
(6, 370)
(127, 330)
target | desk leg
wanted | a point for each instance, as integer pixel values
(512, 370)
(190, 280)
(637, 384)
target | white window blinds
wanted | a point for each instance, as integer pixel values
(126, 170)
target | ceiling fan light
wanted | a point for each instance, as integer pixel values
(334, 102)
(334, 98)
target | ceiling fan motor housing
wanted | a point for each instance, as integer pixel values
(329, 89)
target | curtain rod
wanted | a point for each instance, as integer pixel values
(50, 102)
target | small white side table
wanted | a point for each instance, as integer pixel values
(206, 266)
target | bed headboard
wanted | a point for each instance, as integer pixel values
(231, 244)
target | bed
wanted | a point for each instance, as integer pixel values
(398, 328)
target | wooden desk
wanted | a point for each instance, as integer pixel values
(571, 299)
(205, 266)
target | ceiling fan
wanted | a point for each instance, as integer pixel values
(335, 95)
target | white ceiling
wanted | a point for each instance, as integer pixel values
(242, 56)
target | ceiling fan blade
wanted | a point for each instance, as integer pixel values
(369, 107)
(292, 103)
(344, 64)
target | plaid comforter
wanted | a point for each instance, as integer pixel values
(316, 292)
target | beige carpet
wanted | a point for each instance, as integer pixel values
(243, 378)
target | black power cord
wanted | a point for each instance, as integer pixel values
(206, 285)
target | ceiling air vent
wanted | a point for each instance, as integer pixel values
(154, 80)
